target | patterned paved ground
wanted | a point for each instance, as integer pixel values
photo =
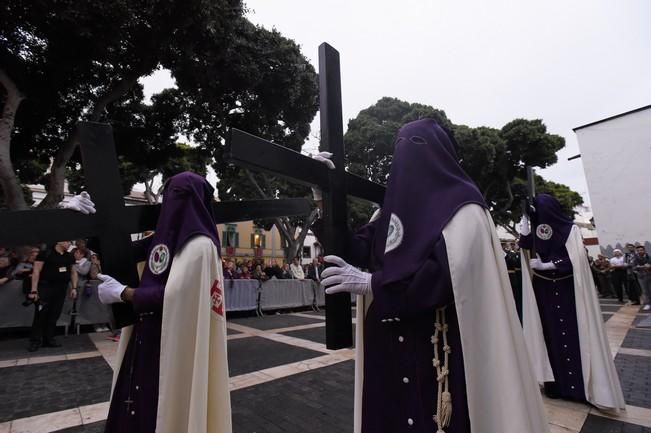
(283, 380)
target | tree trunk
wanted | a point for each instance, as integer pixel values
(56, 178)
(292, 245)
(295, 245)
(13, 193)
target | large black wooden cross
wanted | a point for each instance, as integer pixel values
(258, 154)
(114, 222)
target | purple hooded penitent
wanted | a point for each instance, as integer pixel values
(550, 227)
(555, 297)
(426, 188)
(186, 212)
(411, 279)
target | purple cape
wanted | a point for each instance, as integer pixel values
(550, 226)
(426, 188)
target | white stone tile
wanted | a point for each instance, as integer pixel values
(5, 427)
(45, 359)
(8, 363)
(82, 355)
(635, 352)
(48, 422)
(297, 328)
(94, 412)
(566, 417)
(553, 428)
(633, 415)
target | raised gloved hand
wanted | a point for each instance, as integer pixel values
(539, 265)
(525, 226)
(323, 157)
(344, 278)
(80, 203)
(110, 289)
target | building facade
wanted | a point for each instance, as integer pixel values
(616, 155)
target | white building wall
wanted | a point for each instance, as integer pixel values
(616, 156)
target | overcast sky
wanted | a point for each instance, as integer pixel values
(484, 63)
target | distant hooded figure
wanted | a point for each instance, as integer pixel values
(579, 366)
(439, 343)
(171, 373)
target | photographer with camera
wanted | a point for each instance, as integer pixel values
(53, 272)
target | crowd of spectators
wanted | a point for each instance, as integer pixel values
(17, 263)
(258, 269)
(627, 273)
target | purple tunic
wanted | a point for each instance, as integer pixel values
(406, 253)
(399, 378)
(186, 212)
(554, 290)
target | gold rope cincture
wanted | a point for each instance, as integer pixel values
(443, 414)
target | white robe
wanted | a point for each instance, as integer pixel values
(193, 381)
(502, 393)
(600, 379)
(532, 327)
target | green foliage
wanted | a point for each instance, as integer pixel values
(567, 198)
(70, 57)
(370, 136)
(495, 159)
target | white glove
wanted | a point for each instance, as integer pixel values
(539, 265)
(525, 226)
(345, 278)
(80, 203)
(323, 157)
(110, 289)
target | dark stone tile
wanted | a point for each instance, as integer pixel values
(606, 316)
(232, 331)
(318, 401)
(274, 321)
(597, 424)
(17, 348)
(313, 334)
(256, 353)
(635, 377)
(638, 339)
(51, 387)
(96, 427)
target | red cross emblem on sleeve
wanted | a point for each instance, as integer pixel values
(217, 296)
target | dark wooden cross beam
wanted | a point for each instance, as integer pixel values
(258, 154)
(114, 222)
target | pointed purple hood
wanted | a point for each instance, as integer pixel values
(186, 212)
(426, 188)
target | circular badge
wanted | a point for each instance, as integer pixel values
(395, 234)
(544, 232)
(159, 259)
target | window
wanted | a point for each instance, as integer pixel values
(230, 236)
(307, 252)
(258, 238)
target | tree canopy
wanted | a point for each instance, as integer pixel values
(496, 159)
(68, 61)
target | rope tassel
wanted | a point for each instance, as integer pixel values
(443, 415)
(446, 409)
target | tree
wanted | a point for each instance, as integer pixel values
(496, 159)
(266, 87)
(62, 62)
